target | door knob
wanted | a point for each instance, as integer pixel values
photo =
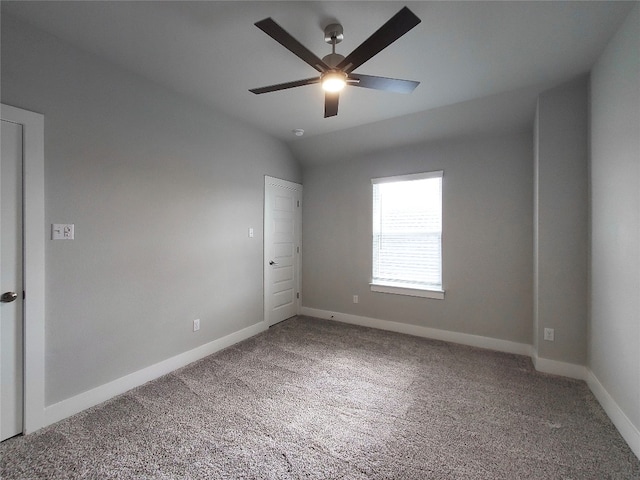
(8, 297)
(271, 262)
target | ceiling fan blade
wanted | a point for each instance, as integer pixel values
(284, 86)
(383, 83)
(396, 27)
(331, 104)
(280, 35)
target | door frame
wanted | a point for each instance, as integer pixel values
(33, 262)
(277, 182)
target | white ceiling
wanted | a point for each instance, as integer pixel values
(480, 64)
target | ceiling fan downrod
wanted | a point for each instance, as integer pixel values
(333, 34)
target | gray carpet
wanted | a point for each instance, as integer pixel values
(317, 399)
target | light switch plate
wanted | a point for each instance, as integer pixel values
(62, 231)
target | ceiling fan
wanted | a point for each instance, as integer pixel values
(336, 71)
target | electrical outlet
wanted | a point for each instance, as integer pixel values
(549, 334)
(355, 299)
(62, 231)
(196, 325)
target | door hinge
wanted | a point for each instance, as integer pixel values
(297, 249)
(24, 295)
(298, 202)
(298, 295)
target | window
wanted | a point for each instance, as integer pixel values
(407, 235)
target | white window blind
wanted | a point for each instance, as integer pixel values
(407, 231)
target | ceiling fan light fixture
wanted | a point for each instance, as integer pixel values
(334, 81)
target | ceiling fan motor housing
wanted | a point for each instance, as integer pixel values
(333, 59)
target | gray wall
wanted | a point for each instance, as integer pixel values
(161, 192)
(487, 236)
(561, 222)
(614, 334)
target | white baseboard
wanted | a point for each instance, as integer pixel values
(627, 429)
(556, 367)
(71, 406)
(418, 331)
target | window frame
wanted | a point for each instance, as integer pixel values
(400, 288)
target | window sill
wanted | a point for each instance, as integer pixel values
(405, 290)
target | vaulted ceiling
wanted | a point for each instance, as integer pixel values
(480, 64)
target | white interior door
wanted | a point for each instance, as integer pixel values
(282, 246)
(11, 284)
